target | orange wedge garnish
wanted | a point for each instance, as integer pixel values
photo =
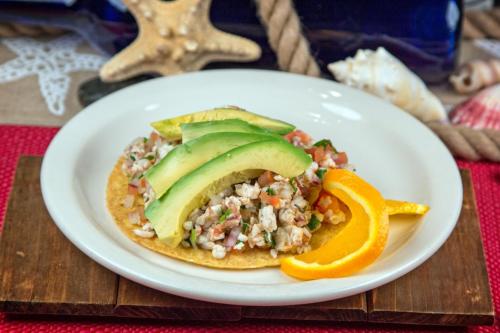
(395, 207)
(357, 245)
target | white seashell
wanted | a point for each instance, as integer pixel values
(475, 75)
(480, 111)
(380, 73)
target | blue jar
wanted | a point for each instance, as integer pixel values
(424, 34)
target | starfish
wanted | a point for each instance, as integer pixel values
(175, 37)
(52, 61)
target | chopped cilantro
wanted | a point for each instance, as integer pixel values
(270, 191)
(132, 157)
(244, 227)
(314, 223)
(268, 238)
(145, 139)
(192, 238)
(150, 157)
(293, 182)
(224, 215)
(320, 172)
(325, 143)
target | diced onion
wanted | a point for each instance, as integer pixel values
(128, 202)
(134, 182)
(134, 217)
(231, 239)
(144, 233)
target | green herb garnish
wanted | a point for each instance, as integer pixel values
(270, 191)
(224, 215)
(192, 238)
(132, 157)
(320, 172)
(325, 143)
(145, 139)
(268, 238)
(244, 227)
(150, 157)
(314, 223)
(293, 182)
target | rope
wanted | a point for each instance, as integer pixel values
(292, 50)
(286, 38)
(18, 30)
(467, 143)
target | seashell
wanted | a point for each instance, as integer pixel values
(380, 73)
(475, 75)
(480, 111)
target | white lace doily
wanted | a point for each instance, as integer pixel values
(52, 61)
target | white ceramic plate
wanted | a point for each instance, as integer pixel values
(390, 149)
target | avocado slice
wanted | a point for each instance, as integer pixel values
(168, 213)
(170, 128)
(192, 154)
(192, 131)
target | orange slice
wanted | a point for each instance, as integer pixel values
(395, 207)
(357, 245)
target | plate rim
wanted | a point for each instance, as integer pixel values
(221, 297)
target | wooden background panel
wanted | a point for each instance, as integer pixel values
(451, 288)
(135, 300)
(346, 309)
(40, 270)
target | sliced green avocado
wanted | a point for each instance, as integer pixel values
(192, 154)
(168, 213)
(192, 131)
(170, 128)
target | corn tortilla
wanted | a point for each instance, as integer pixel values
(249, 258)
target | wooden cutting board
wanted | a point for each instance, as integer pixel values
(41, 272)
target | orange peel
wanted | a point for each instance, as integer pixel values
(395, 207)
(357, 245)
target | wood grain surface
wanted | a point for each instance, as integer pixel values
(342, 310)
(42, 272)
(135, 300)
(451, 288)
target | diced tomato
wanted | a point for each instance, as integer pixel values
(318, 153)
(303, 136)
(289, 136)
(132, 189)
(272, 200)
(153, 137)
(266, 178)
(340, 158)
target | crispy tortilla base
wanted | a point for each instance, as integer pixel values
(249, 258)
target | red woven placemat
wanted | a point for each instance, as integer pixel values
(23, 140)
